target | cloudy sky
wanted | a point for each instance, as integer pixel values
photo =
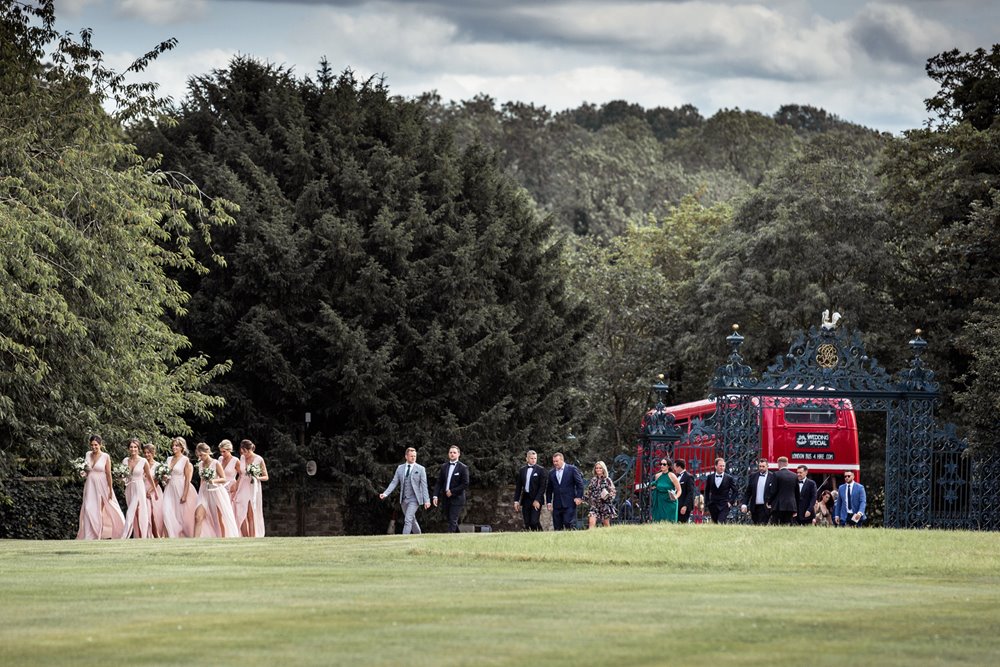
(863, 61)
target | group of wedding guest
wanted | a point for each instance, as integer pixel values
(228, 502)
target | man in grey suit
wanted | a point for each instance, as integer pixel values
(411, 477)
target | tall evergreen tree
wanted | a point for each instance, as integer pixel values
(402, 292)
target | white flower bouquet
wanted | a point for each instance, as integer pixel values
(161, 473)
(120, 473)
(80, 466)
(207, 474)
(254, 471)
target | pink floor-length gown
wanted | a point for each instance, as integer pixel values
(137, 515)
(230, 485)
(155, 503)
(249, 497)
(100, 517)
(219, 520)
(178, 517)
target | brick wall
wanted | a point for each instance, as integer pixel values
(317, 509)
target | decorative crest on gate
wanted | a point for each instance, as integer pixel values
(828, 357)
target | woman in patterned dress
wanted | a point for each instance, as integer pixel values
(600, 495)
(821, 513)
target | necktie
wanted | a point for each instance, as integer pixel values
(407, 471)
(849, 498)
(559, 475)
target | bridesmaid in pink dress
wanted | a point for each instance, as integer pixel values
(138, 520)
(249, 498)
(100, 515)
(214, 516)
(179, 496)
(154, 494)
(231, 465)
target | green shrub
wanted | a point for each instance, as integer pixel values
(47, 509)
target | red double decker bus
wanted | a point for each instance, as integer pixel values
(821, 433)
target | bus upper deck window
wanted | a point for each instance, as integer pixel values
(799, 415)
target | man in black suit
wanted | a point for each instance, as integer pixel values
(759, 494)
(807, 496)
(785, 506)
(685, 502)
(453, 480)
(530, 491)
(564, 493)
(720, 492)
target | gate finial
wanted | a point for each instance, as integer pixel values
(829, 322)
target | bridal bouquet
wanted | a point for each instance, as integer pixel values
(121, 473)
(254, 471)
(80, 466)
(161, 473)
(207, 474)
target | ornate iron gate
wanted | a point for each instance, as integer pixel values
(932, 478)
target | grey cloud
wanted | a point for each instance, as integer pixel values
(727, 39)
(895, 34)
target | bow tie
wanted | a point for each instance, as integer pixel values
(763, 474)
(717, 476)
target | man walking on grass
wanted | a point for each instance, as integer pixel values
(849, 510)
(411, 478)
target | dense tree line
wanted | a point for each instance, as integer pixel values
(402, 291)
(415, 272)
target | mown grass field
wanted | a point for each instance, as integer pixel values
(648, 595)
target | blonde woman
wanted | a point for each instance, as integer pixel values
(600, 495)
(179, 495)
(231, 466)
(138, 519)
(213, 516)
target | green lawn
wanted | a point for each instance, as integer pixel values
(649, 595)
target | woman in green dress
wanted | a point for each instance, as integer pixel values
(665, 489)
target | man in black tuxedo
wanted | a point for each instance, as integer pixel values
(759, 494)
(807, 497)
(530, 491)
(685, 502)
(720, 492)
(563, 493)
(453, 480)
(785, 506)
